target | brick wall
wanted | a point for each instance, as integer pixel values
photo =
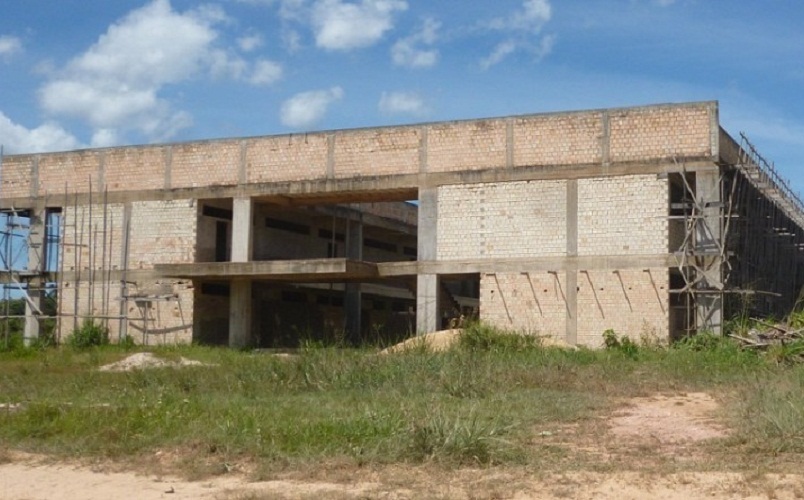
(559, 139)
(383, 151)
(534, 302)
(629, 301)
(162, 232)
(15, 176)
(466, 145)
(622, 215)
(616, 216)
(663, 132)
(286, 158)
(142, 168)
(562, 139)
(204, 164)
(502, 220)
(73, 171)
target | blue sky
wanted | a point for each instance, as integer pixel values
(81, 73)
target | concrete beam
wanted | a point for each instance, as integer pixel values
(311, 270)
(515, 265)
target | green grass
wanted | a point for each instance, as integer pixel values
(478, 403)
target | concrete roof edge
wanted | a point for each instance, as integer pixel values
(690, 104)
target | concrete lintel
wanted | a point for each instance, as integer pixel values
(515, 265)
(286, 270)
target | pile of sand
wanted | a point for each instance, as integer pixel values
(436, 341)
(444, 339)
(144, 360)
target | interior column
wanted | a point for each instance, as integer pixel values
(427, 287)
(240, 302)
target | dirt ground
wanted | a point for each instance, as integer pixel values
(662, 427)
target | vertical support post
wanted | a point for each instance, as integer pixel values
(571, 278)
(352, 300)
(708, 241)
(124, 253)
(427, 289)
(36, 264)
(240, 307)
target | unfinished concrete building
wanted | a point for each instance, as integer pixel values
(645, 220)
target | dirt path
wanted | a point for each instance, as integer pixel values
(668, 424)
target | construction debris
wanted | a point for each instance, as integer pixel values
(766, 334)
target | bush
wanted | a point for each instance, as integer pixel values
(481, 337)
(623, 344)
(706, 341)
(90, 334)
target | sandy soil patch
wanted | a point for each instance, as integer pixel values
(145, 360)
(669, 421)
(33, 481)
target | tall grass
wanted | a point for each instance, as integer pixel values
(477, 403)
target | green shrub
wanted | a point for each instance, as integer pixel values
(482, 337)
(623, 344)
(90, 334)
(705, 341)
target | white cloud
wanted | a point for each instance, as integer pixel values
(249, 42)
(291, 39)
(406, 51)
(9, 46)
(500, 52)
(307, 108)
(116, 85)
(340, 25)
(104, 137)
(47, 137)
(224, 65)
(265, 72)
(402, 103)
(521, 27)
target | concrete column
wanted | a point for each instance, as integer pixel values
(427, 289)
(242, 229)
(240, 313)
(708, 236)
(36, 264)
(240, 303)
(352, 300)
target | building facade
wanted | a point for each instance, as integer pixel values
(647, 220)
